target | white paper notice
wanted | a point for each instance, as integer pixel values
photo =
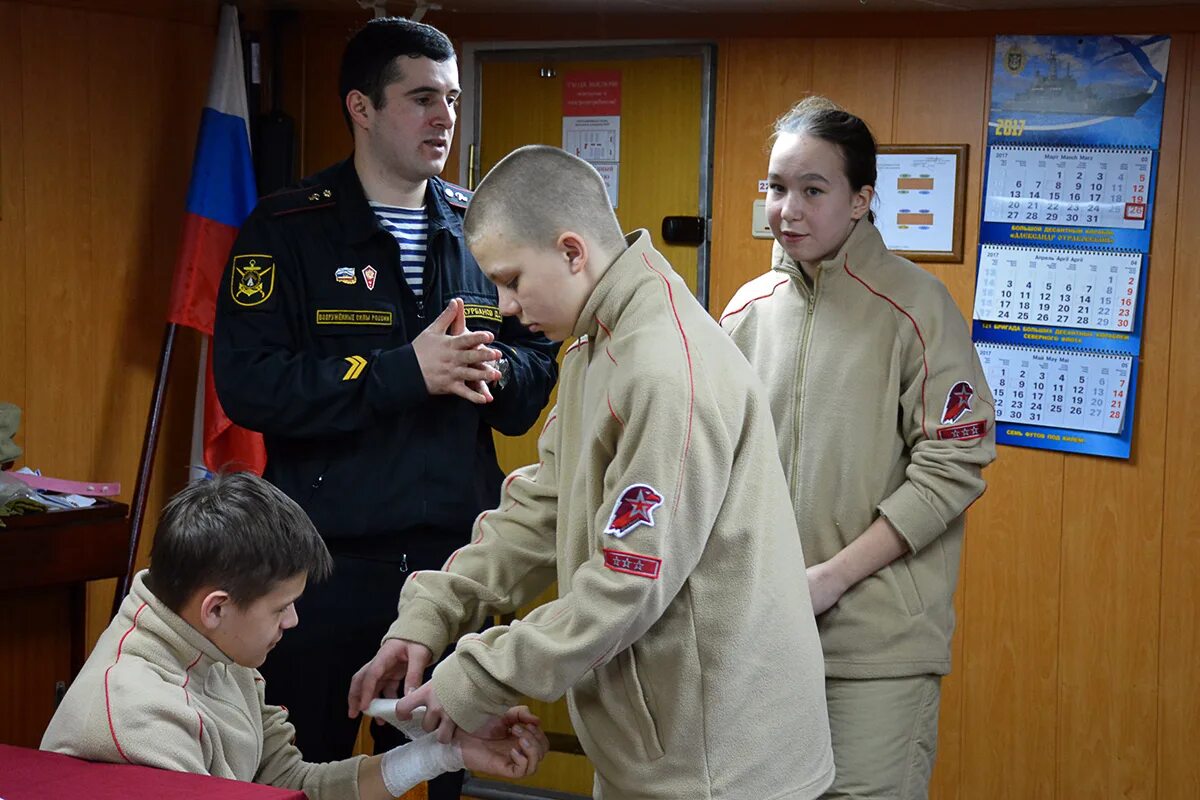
(915, 209)
(597, 140)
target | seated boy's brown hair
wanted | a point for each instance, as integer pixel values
(236, 532)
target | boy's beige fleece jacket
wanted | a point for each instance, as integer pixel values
(158, 693)
(881, 408)
(682, 634)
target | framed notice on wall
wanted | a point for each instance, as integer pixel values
(921, 199)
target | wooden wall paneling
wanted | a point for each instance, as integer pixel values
(859, 75)
(61, 280)
(1009, 665)
(958, 117)
(1179, 610)
(121, 122)
(13, 318)
(760, 84)
(156, 113)
(326, 139)
(1112, 551)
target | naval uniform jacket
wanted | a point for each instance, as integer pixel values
(313, 348)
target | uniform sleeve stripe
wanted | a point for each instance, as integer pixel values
(687, 442)
(920, 338)
(751, 301)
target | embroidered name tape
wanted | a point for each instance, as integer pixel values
(633, 564)
(473, 311)
(342, 316)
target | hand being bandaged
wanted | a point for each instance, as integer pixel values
(422, 759)
(511, 746)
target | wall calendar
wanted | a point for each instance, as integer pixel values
(1090, 187)
(1064, 236)
(1075, 288)
(1058, 389)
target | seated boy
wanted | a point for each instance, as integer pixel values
(682, 632)
(173, 682)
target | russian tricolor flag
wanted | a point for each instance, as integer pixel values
(220, 197)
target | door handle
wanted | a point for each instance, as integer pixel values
(685, 230)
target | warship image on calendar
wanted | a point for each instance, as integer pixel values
(1057, 91)
(1078, 89)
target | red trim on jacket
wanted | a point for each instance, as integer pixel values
(917, 328)
(107, 699)
(752, 300)
(613, 411)
(687, 351)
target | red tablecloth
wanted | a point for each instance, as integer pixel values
(33, 775)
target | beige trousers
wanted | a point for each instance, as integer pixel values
(884, 736)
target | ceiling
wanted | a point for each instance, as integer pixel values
(406, 7)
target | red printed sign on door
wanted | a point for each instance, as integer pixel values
(594, 93)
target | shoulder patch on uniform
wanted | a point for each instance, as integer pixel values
(634, 507)
(456, 195)
(252, 279)
(958, 402)
(297, 199)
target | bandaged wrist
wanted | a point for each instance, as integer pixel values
(405, 766)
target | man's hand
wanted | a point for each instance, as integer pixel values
(436, 720)
(459, 327)
(397, 659)
(455, 360)
(825, 586)
(514, 755)
(498, 727)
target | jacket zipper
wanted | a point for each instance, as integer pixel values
(801, 369)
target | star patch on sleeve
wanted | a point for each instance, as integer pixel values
(633, 564)
(958, 402)
(634, 507)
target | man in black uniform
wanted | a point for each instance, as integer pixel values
(357, 333)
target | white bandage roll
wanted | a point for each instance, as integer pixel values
(384, 708)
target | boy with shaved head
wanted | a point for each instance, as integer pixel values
(682, 633)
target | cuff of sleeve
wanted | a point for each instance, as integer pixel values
(340, 774)
(421, 628)
(917, 522)
(459, 696)
(400, 379)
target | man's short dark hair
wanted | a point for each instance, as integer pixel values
(235, 532)
(371, 62)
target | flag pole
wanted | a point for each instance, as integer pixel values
(141, 489)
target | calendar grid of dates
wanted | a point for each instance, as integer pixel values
(1055, 388)
(1070, 186)
(1075, 288)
